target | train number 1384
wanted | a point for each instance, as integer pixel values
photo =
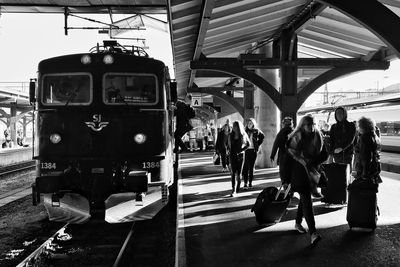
(48, 165)
(150, 165)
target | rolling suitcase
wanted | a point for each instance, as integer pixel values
(335, 190)
(362, 209)
(271, 205)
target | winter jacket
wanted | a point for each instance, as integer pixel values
(184, 113)
(342, 135)
(367, 157)
(309, 148)
(280, 143)
(257, 136)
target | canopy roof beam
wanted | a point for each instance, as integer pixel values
(386, 29)
(259, 61)
(207, 90)
(208, 6)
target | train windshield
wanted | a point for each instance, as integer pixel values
(130, 88)
(67, 89)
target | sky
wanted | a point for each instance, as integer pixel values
(26, 39)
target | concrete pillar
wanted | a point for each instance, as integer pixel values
(248, 102)
(24, 123)
(288, 52)
(13, 122)
(266, 112)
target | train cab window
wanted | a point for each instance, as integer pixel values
(67, 89)
(130, 88)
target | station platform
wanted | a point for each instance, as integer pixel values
(16, 155)
(215, 229)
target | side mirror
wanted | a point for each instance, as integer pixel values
(32, 91)
(174, 91)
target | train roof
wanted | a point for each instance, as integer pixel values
(123, 61)
(121, 55)
(388, 99)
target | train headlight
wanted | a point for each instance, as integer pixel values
(140, 138)
(108, 59)
(55, 138)
(86, 59)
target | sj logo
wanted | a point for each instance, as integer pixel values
(97, 125)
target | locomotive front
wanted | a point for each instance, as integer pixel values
(103, 137)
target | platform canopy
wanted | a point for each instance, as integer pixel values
(325, 29)
(227, 31)
(84, 6)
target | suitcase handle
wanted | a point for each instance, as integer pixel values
(286, 191)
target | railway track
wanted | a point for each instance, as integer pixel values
(92, 244)
(17, 167)
(96, 243)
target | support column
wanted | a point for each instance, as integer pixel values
(24, 123)
(248, 102)
(288, 53)
(13, 122)
(266, 112)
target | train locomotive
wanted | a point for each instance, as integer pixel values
(103, 135)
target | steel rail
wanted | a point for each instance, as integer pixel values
(121, 252)
(16, 169)
(32, 257)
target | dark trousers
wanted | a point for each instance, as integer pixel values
(236, 169)
(305, 209)
(248, 166)
(178, 140)
(224, 159)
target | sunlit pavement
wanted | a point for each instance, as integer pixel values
(219, 230)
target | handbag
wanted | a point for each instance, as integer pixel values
(216, 159)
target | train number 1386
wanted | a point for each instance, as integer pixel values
(150, 165)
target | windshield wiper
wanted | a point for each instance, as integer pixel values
(72, 96)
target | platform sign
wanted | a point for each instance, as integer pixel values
(197, 101)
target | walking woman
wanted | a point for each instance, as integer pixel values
(238, 142)
(256, 137)
(221, 146)
(305, 146)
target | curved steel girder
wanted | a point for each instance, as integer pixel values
(251, 77)
(229, 100)
(202, 115)
(4, 114)
(209, 108)
(202, 110)
(366, 13)
(322, 79)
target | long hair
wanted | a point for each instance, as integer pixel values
(242, 133)
(298, 132)
(307, 119)
(255, 124)
(367, 124)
